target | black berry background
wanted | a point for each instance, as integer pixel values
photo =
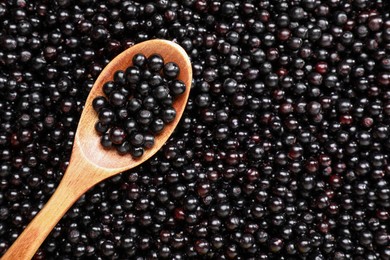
(282, 152)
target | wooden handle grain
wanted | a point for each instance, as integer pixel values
(71, 187)
(39, 228)
(90, 162)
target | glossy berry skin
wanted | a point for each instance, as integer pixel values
(282, 151)
(134, 105)
(137, 139)
(139, 60)
(149, 103)
(117, 99)
(130, 125)
(133, 74)
(144, 117)
(148, 141)
(177, 87)
(101, 128)
(99, 103)
(136, 152)
(160, 92)
(106, 116)
(168, 114)
(132, 109)
(157, 125)
(108, 87)
(120, 77)
(117, 135)
(155, 62)
(171, 70)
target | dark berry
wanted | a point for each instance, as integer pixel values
(117, 99)
(148, 141)
(120, 77)
(177, 87)
(117, 135)
(282, 151)
(160, 92)
(108, 87)
(137, 139)
(106, 116)
(157, 125)
(155, 62)
(99, 103)
(134, 105)
(133, 75)
(144, 117)
(136, 151)
(168, 114)
(171, 70)
(139, 60)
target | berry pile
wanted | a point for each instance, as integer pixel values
(282, 151)
(138, 104)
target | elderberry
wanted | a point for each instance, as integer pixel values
(123, 95)
(282, 151)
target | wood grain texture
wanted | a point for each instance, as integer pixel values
(90, 163)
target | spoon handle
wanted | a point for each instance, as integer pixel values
(66, 194)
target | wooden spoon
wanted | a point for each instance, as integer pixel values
(90, 163)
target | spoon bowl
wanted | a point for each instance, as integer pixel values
(90, 163)
(89, 143)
